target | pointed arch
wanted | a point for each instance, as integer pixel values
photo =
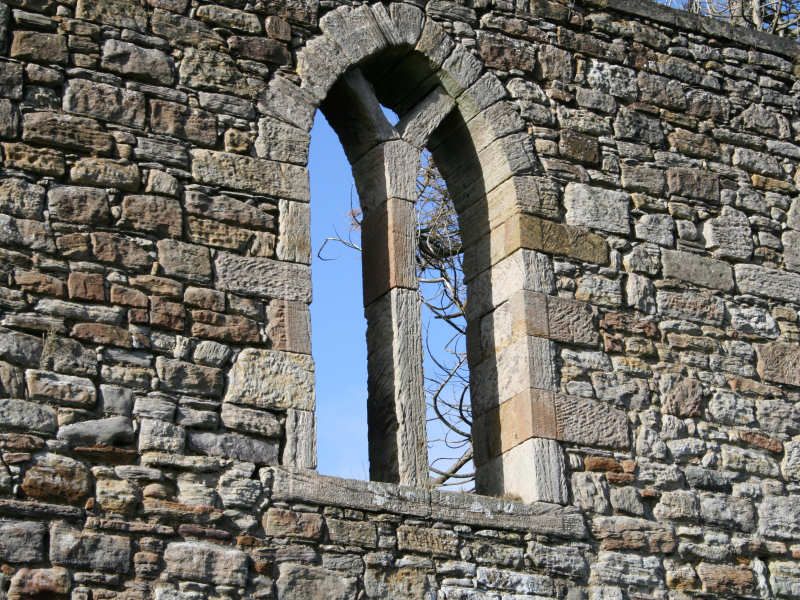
(397, 56)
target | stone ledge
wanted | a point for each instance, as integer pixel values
(705, 25)
(471, 509)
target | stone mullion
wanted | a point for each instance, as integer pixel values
(396, 399)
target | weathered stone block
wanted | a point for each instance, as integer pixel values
(211, 70)
(100, 172)
(37, 160)
(691, 306)
(693, 183)
(55, 478)
(119, 13)
(766, 282)
(187, 378)
(20, 198)
(129, 59)
(72, 548)
(22, 541)
(279, 522)
(181, 121)
(101, 432)
(287, 281)
(67, 131)
(352, 533)
(247, 420)
(39, 47)
(729, 235)
(247, 174)
(66, 390)
(597, 208)
(696, 269)
(235, 446)
(78, 205)
(778, 361)
(297, 582)
(271, 379)
(437, 542)
(20, 348)
(105, 102)
(28, 583)
(27, 416)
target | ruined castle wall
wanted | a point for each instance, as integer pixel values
(631, 219)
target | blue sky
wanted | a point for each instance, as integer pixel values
(337, 313)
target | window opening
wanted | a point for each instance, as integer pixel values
(337, 313)
(440, 271)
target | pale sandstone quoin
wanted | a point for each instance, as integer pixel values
(627, 181)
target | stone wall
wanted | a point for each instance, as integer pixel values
(627, 181)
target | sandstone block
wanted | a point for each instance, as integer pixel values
(71, 548)
(181, 121)
(120, 249)
(597, 208)
(271, 379)
(221, 16)
(299, 582)
(729, 235)
(22, 541)
(235, 446)
(112, 431)
(247, 174)
(616, 568)
(86, 286)
(105, 102)
(693, 183)
(696, 269)
(119, 13)
(766, 282)
(633, 125)
(701, 308)
(287, 281)
(55, 478)
(160, 435)
(247, 420)
(211, 70)
(183, 30)
(187, 378)
(185, 261)
(129, 59)
(20, 198)
(99, 172)
(103, 334)
(68, 356)
(28, 583)
(352, 533)
(279, 522)
(513, 581)
(43, 161)
(66, 390)
(725, 579)
(438, 542)
(78, 205)
(66, 131)
(39, 47)
(778, 362)
(153, 214)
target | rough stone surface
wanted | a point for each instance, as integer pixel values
(626, 180)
